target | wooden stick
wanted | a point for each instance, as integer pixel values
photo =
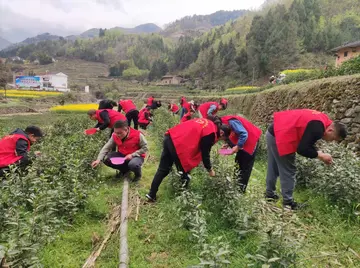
(123, 253)
(114, 223)
(137, 207)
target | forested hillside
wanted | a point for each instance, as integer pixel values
(197, 24)
(283, 34)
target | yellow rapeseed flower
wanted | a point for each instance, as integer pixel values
(25, 93)
(82, 107)
(297, 71)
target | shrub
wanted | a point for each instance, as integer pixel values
(340, 182)
(293, 76)
(34, 206)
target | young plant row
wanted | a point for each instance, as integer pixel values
(219, 199)
(340, 182)
(36, 205)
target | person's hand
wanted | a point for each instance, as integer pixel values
(37, 153)
(95, 163)
(326, 158)
(97, 129)
(235, 149)
(212, 173)
(128, 157)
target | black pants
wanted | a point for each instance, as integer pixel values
(133, 165)
(245, 164)
(143, 126)
(134, 116)
(167, 159)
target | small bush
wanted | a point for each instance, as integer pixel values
(340, 181)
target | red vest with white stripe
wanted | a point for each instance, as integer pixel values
(289, 127)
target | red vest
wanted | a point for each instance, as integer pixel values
(131, 144)
(142, 116)
(150, 101)
(127, 105)
(289, 127)
(253, 131)
(204, 108)
(8, 149)
(113, 115)
(186, 117)
(182, 101)
(186, 138)
(174, 108)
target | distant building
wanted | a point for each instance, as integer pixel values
(346, 52)
(172, 80)
(48, 81)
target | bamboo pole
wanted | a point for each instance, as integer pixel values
(123, 254)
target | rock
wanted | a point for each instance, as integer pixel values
(335, 101)
(357, 119)
(357, 109)
(350, 112)
(346, 120)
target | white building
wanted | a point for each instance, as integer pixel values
(53, 82)
(58, 82)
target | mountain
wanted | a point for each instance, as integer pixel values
(4, 43)
(197, 24)
(33, 40)
(94, 32)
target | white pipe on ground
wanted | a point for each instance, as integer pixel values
(123, 254)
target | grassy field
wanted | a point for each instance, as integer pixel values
(324, 235)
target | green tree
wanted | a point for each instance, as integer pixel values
(44, 58)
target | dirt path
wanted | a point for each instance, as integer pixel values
(16, 114)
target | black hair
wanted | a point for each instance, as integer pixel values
(226, 129)
(340, 129)
(36, 131)
(217, 121)
(121, 124)
(91, 112)
(158, 103)
(169, 105)
(223, 105)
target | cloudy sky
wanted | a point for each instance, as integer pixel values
(65, 17)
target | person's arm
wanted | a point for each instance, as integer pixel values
(106, 149)
(314, 131)
(21, 150)
(119, 107)
(106, 120)
(206, 143)
(211, 109)
(239, 129)
(143, 147)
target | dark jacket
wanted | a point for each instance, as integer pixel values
(21, 148)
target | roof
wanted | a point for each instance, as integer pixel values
(348, 45)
